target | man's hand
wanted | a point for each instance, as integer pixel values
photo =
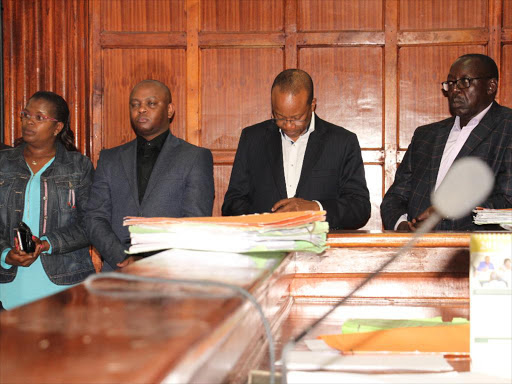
(295, 204)
(128, 261)
(416, 222)
(405, 226)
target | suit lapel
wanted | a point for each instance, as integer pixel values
(479, 133)
(313, 149)
(275, 154)
(164, 161)
(129, 161)
(438, 149)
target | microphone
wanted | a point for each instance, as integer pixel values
(467, 184)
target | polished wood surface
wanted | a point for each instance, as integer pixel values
(376, 65)
(171, 332)
(184, 334)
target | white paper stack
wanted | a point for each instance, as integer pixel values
(276, 232)
(503, 217)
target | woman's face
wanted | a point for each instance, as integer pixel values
(38, 122)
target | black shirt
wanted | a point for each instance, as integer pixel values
(147, 153)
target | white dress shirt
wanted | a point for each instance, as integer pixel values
(456, 140)
(293, 157)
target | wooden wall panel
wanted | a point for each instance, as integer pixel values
(442, 14)
(377, 65)
(165, 65)
(242, 16)
(336, 15)
(421, 71)
(143, 16)
(345, 95)
(235, 92)
(221, 175)
(507, 14)
(374, 174)
(505, 82)
(45, 48)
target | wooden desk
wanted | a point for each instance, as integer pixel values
(78, 337)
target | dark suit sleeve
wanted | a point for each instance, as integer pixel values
(99, 214)
(501, 196)
(199, 190)
(351, 209)
(396, 199)
(236, 200)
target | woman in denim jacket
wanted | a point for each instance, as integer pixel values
(44, 182)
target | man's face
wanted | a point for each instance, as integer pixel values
(292, 112)
(150, 110)
(469, 102)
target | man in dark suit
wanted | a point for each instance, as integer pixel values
(154, 175)
(480, 127)
(297, 161)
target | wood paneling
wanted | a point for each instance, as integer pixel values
(221, 174)
(165, 65)
(336, 15)
(421, 71)
(242, 16)
(143, 16)
(442, 14)
(505, 82)
(45, 48)
(229, 79)
(376, 65)
(345, 95)
(507, 14)
(374, 179)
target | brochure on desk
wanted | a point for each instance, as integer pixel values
(491, 303)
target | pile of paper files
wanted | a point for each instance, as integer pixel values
(270, 232)
(503, 217)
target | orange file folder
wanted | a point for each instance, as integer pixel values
(453, 339)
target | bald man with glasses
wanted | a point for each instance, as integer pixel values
(296, 161)
(480, 127)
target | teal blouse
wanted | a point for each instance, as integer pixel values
(31, 283)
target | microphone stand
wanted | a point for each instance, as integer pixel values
(426, 226)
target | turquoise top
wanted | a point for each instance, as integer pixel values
(31, 283)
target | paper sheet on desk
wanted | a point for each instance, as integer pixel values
(314, 361)
(452, 339)
(301, 377)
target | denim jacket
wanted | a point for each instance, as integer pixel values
(65, 188)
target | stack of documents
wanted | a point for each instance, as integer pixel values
(272, 232)
(503, 217)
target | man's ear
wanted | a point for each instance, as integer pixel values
(313, 105)
(492, 86)
(58, 127)
(170, 110)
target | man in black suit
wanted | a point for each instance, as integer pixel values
(297, 161)
(480, 127)
(157, 174)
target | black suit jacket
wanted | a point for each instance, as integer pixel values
(332, 173)
(490, 140)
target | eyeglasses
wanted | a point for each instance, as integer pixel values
(297, 123)
(462, 83)
(38, 118)
(294, 122)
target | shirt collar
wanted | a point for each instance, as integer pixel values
(474, 121)
(306, 133)
(157, 142)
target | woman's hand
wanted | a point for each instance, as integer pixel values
(20, 258)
